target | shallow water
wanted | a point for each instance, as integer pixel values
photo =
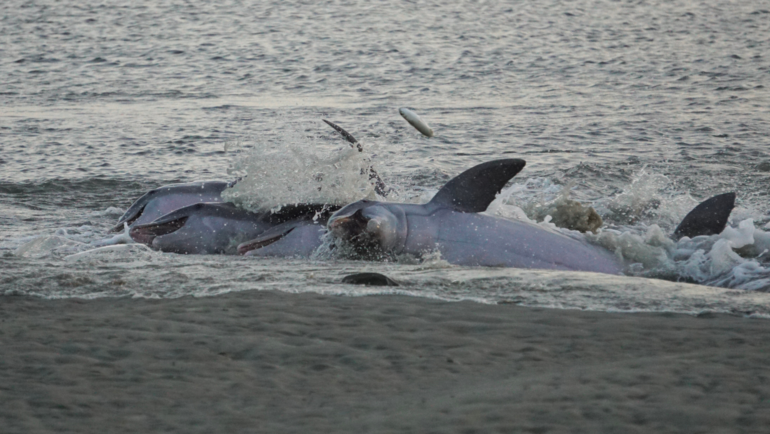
(642, 109)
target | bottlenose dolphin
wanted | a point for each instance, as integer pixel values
(163, 200)
(193, 218)
(217, 228)
(448, 223)
(451, 225)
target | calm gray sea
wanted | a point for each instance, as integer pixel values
(639, 108)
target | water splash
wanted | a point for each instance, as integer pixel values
(650, 196)
(296, 168)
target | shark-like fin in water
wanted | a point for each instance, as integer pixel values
(708, 218)
(474, 189)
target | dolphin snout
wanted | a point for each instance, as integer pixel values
(348, 226)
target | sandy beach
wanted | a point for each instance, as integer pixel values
(273, 362)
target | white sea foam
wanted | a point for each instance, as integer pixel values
(739, 257)
(46, 245)
(112, 211)
(122, 238)
(112, 253)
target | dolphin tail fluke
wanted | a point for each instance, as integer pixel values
(708, 218)
(374, 177)
(349, 137)
(474, 189)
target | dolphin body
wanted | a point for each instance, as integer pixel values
(451, 225)
(217, 228)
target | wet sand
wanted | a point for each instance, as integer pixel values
(273, 362)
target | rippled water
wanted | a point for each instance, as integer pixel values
(665, 102)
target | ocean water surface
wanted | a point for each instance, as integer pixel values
(640, 109)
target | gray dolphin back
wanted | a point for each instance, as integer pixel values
(481, 240)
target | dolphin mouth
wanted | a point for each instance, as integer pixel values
(355, 232)
(146, 233)
(119, 226)
(350, 227)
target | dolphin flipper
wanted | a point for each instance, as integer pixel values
(269, 236)
(708, 218)
(293, 239)
(474, 189)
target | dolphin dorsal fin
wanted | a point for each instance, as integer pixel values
(708, 218)
(474, 189)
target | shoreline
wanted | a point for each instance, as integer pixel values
(264, 361)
